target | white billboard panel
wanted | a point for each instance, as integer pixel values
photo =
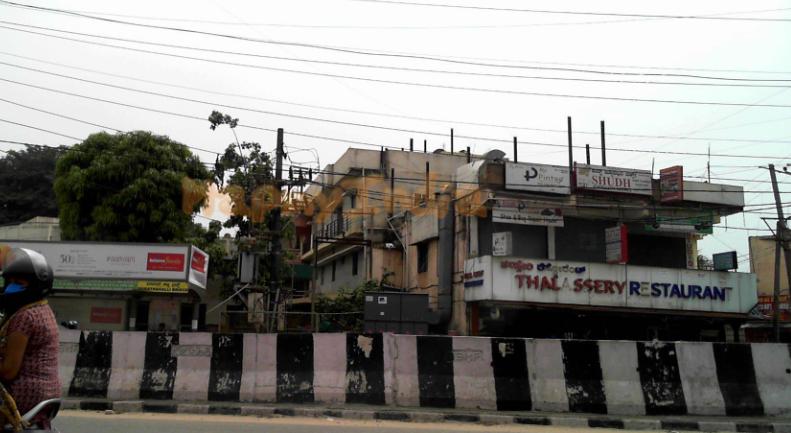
(85, 260)
(537, 178)
(612, 179)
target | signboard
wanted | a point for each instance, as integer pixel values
(766, 308)
(163, 286)
(610, 179)
(671, 184)
(199, 267)
(85, 260)
(106, 315)
(725, 261)
(510, 279)
(501, 244)
(512, 211)
(538, 178)
(692, 225)
(616, 241)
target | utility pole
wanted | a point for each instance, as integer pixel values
(781, 235)
(274, 257)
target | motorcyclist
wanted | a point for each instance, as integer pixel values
(29, 331)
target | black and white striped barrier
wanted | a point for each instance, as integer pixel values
(600, 377)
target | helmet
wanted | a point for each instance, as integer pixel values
(30, 266)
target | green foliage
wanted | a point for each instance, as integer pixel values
(26, 179)
(245, 172)
(346, 300)
(129, 187)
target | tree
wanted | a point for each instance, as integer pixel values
(129, 187)
(249, 180)
(26, 179)
(705, 263)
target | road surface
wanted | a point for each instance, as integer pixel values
(94, 422)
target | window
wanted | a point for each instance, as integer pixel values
(422, 257)
(333, 270)
(354, 263)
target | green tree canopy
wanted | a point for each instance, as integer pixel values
(129, 187)
(26, 178)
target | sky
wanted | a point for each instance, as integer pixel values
(489, 74)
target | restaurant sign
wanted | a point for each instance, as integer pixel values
(599, 284)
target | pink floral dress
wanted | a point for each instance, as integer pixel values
(38, 377)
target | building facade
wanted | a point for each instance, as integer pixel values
(507, 248)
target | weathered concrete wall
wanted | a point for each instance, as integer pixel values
(606, 377)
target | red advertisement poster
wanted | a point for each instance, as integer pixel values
(198, 261)
(165, 262)
(106, 315)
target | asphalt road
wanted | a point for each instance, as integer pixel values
(92, 422)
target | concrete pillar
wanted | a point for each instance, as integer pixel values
(131, 314)
(195, 315)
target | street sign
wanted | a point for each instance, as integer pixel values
(725, 261)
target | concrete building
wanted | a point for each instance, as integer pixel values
(531, 250)
(125, 286)
(35, 229)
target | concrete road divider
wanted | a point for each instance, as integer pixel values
(597, 377)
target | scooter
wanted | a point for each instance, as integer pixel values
(39, 419)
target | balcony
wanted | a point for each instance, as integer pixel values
(544, 281)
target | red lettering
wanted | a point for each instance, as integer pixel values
(608, 286)
(520, 280)
(620, 285)
(598, 286)
(588, 285)
(578, 285)
(532, 282)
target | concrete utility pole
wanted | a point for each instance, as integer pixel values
(782, 237)
(274, 257)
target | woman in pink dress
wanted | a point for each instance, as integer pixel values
(29, 333)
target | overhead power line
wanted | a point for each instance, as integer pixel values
(438, 86)
(389, 27)
(368, 52)
(586, 13)
(59, 115)
(421, 70)
(356, 124)
(399, 116)
(48, 131)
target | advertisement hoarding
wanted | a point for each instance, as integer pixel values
(511, 279)
(199, 267)
(671, 184)
(612, 179)
(537, 178)
(86, 261)
(616, 241)
(512, 211)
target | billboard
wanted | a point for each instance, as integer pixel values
(611, 179)
(537, 178)
(671, 184)
(513, 211)
(199, 267)
(86, 261)
(512, 279)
